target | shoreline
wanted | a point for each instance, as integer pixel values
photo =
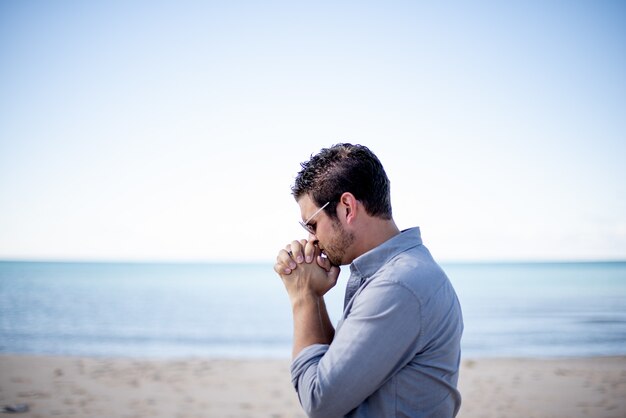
(98, 387)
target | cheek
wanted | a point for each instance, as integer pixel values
(321, 235)
(328, 236)
(320, 230)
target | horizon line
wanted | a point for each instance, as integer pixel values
(77, 260)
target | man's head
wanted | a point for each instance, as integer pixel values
(345, 168)
(349, 183)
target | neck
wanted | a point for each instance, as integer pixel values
(375, 231)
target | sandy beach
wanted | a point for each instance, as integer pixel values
(104, 388)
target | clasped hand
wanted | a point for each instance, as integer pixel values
(304, 271)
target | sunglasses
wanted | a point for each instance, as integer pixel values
(311, 228)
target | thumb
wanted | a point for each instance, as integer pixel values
(333, 273)
(324, 263)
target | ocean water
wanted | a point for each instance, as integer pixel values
(242, 311)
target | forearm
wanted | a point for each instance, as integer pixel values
(329, 329)
(308, 323)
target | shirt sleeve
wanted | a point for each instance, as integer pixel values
(377, 338)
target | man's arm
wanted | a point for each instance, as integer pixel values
(377, 339)
(306, 283)
(329, 329)
(308, 325)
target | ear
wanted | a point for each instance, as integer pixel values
(351, 205)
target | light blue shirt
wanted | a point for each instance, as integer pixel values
(396, 350)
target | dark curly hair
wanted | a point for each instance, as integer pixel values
(345, 168)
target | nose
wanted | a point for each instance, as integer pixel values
(316, 243)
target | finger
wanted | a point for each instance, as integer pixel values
(297, 250)
(285, 260)
(310, 251)
(281, 269)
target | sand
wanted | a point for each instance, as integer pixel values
(106, 388)
(593, 387)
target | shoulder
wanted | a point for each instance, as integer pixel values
(413, 270)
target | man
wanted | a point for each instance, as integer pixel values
(396, 349)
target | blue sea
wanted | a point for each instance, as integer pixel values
(151, 310)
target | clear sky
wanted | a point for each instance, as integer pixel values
(153, 130)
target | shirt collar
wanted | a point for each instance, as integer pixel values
(368, 263)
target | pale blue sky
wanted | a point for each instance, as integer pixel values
(173, 130)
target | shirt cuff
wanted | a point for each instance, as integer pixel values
(308, 356)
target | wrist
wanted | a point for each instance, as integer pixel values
(304, 299)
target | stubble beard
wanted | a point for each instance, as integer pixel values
(336, 249)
